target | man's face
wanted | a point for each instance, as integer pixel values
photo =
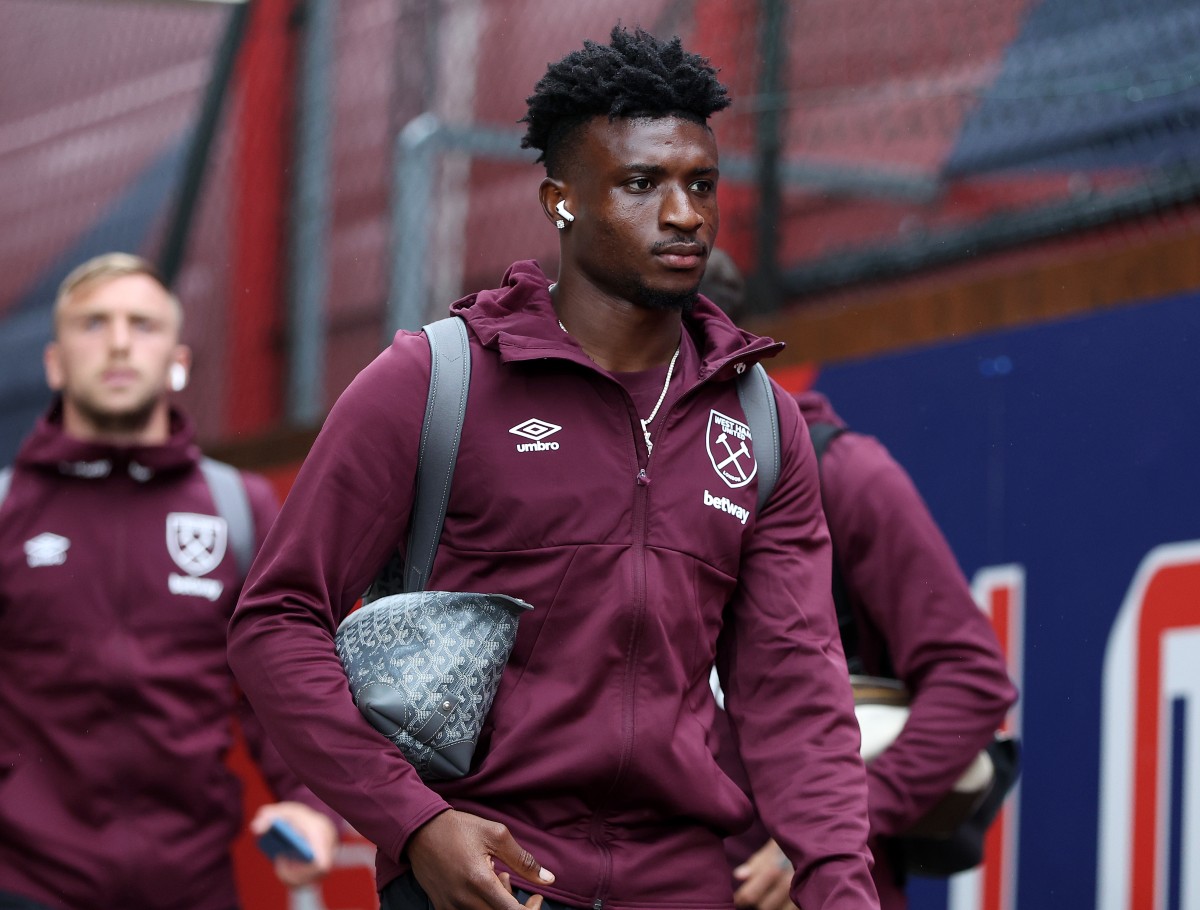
(644, 193)
(116, 341)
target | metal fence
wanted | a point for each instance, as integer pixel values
(362, 168)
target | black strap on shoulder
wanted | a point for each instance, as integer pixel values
(762, 416)
(445, 410)
(231, 502)
(822, 434)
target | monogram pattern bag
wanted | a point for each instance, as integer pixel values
(424, 668)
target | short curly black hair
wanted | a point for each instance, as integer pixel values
(634, 75)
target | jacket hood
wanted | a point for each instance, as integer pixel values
(49, 448)
(518, 320)
(816, 408)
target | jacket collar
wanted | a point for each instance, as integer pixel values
(517, 319)
(49, 449)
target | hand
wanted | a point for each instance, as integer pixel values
(452, 858)
(317, 830)
(766, 878)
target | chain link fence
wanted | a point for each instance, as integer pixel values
(365, 168)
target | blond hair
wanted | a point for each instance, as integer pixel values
(106, 267)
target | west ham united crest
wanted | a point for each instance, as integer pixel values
(196, 542)
(730, 449)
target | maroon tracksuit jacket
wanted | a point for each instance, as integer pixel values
(595, 751)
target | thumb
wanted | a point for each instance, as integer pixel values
(520, 860)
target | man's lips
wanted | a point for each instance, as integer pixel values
(682, 255)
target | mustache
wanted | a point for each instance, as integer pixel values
(680, 244)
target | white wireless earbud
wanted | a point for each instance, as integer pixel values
(561, 208)
(177, 377)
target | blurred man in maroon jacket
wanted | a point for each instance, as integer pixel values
(916, 621)
(117, 579)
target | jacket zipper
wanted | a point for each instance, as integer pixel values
(640, 508)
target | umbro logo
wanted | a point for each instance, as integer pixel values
(537, 430)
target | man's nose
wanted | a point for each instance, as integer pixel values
(119, 334)
(680, 210)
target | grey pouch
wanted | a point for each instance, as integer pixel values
(424, 668)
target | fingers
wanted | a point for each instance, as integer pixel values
(453, 856)
(766, 878)
(317, 830)
(521, 861)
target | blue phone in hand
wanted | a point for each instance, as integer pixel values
(281, 839)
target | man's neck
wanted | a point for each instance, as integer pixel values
(618, 335)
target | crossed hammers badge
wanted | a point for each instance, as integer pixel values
(730, 449)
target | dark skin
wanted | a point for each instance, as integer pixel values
(644, 195)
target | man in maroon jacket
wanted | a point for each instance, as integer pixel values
(916, 621)
(633, 531)
(116, 585)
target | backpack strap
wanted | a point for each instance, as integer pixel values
(230, 499)
(445, 410)
(822, 434)
(762, 416)
(5, 482)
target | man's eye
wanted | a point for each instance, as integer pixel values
(640, 184)
(702, 186)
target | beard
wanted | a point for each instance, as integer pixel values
(654, 299)
(130, 421)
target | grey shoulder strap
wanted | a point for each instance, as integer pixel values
(762, 415)
(445, 409)
(5, 482)
(232, 504)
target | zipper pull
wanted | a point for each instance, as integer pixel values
(643, 480)
(599, 905)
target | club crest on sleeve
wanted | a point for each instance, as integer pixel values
(730, 449)
(196, 542)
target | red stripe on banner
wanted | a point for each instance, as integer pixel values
(254, 390)
(1000, 607)
(1170, 602)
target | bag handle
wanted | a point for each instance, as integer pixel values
(445, 410)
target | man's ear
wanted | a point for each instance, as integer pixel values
(551, 193)
(52, 362)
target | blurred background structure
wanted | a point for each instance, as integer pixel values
(908, 185)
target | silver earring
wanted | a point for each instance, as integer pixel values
(560, 224)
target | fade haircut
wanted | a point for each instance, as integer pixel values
(635, 75)
(106, 267)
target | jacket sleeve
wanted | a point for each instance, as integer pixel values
(903, 580)
(281, 780)
(346, 513)
(787, 693)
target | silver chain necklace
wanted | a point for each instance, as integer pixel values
(661, 395)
